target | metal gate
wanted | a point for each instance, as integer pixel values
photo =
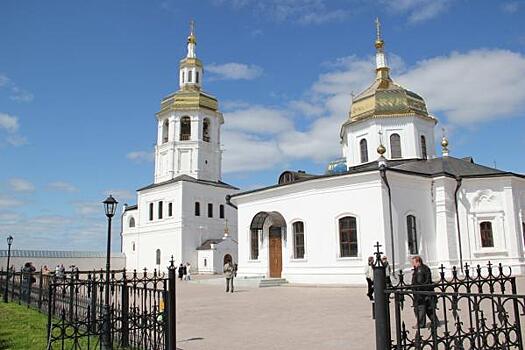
(477, 308)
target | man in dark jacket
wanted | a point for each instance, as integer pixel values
(424, 305)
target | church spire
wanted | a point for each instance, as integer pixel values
(381, 64)
(192, 41)
(191, 70)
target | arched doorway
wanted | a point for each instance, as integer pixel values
(227, 259)
(276, 228)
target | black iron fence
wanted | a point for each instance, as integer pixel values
(142, 307)
(477, 308)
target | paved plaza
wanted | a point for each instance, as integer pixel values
(273, 318)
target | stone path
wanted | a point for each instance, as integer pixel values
(273, 318)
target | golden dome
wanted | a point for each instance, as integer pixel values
(386, 98)
(444, 142)
(381, 149)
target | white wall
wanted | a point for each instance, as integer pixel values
(409, 128)
(319, 204)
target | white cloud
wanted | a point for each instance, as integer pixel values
(17, 93)
(9, 202)
(245, 152)
(20, 185)
(418, 10)
(62, 186)
(511, 7)
(88, 208)
(140, 156)
(8, 122)
(475, 86)
(258, 119)
(234, 71)
(298, 11)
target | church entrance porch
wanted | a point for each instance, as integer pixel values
(276, 252)
(269, 226)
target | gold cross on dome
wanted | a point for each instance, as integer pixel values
(378, 29)
(192, 27)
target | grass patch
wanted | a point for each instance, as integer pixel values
(22, 328)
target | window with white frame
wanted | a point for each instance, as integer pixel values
(348, 237)
(298, 239)
(254, 244)
(486, 234)
(412, 235)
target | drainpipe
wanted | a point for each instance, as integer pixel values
(228, 201)
(382, 173)
(458, 185)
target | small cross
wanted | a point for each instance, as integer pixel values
(192, 27)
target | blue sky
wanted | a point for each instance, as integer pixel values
(80, 82)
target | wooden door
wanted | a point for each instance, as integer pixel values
(276, 261)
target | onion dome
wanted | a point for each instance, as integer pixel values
(384, 97)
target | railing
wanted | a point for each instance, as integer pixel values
(477, 308)
(142, 307)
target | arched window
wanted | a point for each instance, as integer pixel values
(221, 211)
(157, 256)
(133, 246)
(485, 230)
(412, 234)
(151, 211)
(132, 222)
(197, 77)
(170, 209)
(395, 146)
(298, 239)
(206, 130)
(161, 205)
(423, 147)
(363, 146)
(347, 237)
(185, 128)
(254, 244)
(165, 131)
(190, 77)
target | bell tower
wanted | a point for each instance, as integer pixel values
(189, 122)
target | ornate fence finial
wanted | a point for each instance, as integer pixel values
(378, 252)
(172, 262)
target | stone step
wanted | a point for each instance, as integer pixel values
(272, 282)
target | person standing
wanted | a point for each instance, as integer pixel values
(229, 272)
(184, 272)
(369, 273)
(424, 305)
(188, 271)
(388, 271)
(181, 271)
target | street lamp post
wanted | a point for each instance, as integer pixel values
(110, 206)
(9, 242)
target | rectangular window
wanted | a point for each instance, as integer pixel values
(221, 211)
(190, 76)
(150, 211)
(161, 204)
(254, 244)
(348, 237)
(197, 77)
(170, 209)
(487, 238)
(197, 209)
(210, 210)
(298, 235)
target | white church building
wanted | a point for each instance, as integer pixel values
(184, 211)
(389, 187)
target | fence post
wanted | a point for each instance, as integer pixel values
(50, 302)
(125, 311)
(172, 331)
(20, 288)
(380, 303)
(40, 289)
